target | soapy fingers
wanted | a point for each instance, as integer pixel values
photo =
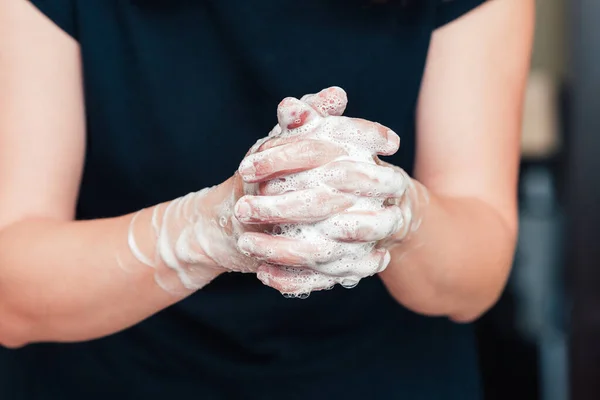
(314, 205)
(288, 159)
(365, 226)
(342, 130)
(311, 133)
(287, 251)
(330, 101)
(303, 206)
(327, 257)
(359, 178)
(312, 117)
(316, 181)
(293, 281)
(287, 155)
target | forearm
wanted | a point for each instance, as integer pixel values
(456, 263)
(71, 281)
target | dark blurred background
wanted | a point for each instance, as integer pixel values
(542, 340)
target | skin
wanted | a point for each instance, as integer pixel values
(468, 121)
(60, 279)
(469, 125)
(342, 183)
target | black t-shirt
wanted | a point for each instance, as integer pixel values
(176, 92)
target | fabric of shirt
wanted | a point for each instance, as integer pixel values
(176, 92)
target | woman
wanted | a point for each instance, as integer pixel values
(112, 107)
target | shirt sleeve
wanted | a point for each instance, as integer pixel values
(61, 12)
(449, 10)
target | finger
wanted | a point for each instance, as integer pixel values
(293, 114)
(358, 178)
(303, 180)
(374, 262)
(276, 141)
(304, 206)
(280, 141)
(358, 132)
(381, 139)
(405, 205)
(373, 136)
(330, 101)
(286, 251)
(291, 158)
(364, 179)
(293, 281)
(365, 226)
(276, 131)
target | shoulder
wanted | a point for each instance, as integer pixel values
(447, 11)
(78, 17)
(61, 12)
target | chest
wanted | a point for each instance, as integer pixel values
(177, 91)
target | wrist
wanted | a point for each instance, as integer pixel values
(217, 230)
(164, 239)
(414, 204)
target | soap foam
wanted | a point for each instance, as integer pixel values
(193, 245)
(348, 262)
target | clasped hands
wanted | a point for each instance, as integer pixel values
(314, 169)
(311, 206)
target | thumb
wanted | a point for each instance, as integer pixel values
(330, 101)
(293, 114)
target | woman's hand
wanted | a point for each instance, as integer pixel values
(343, 243)
(347, 245)
(316, 172)
(193, 239)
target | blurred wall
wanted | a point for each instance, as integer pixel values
(523, 344)
(550, 37)
(541, 133)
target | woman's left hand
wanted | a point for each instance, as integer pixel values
(348, 244)
(335, 257)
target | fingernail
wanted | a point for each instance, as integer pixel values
(243, 211)
(247, 169)
(293, 113)
(393, 139)
(385, 261)
(264, 277)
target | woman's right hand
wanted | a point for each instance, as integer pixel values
(193, 239)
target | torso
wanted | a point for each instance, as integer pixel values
(176, 92)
